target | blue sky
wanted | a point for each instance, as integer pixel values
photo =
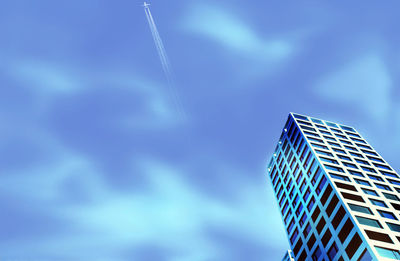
(96, 162)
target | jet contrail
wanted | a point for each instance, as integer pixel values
(164, 59)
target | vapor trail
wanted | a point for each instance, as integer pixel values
(164, 60)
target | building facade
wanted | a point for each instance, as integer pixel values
(339, 199)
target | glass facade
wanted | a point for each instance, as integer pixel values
(339, 199)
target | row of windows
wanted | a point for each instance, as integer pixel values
(332, 140)
(330, 124)
(334, 146)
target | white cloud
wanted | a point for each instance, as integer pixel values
(231, 32)
(364, 83)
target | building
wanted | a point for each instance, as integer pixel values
(339, 199)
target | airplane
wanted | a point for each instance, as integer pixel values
(146, 5)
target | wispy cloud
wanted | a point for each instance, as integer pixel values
(168, 212)
(364, 83)
(231, 32)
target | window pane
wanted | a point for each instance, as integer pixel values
(369, 222)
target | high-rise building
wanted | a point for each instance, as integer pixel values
(339, 199)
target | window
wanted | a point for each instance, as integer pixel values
(285, 208)
(352, 197)
(306, 195)
(390, 196)
(375, 159)
(347, 128)
(345, 142)
(370, 192)
(355, 154)
(350, 165)
(331, 124)
(320, 185)
(363, 182)
(345, 186)
(378, 236)
(333, 251)
(339, 150)
(364, 146)
(345, 231)
(324, 153)
(301, 117)
(295, 200)
(378, 203)
(326, 195)
(307, 230)
(389, 253)
(317, 253)
(360, 209)
(394, 182)
(375, 177)
(288, 215)
(334, 144)
(355, 173)
(303, 255)
(341, 136)
(290, 227)
(338, 217)
(395, 206)
(353, 134)
(311, 241)
(394, 227)
(388, 174)
(362, 161)
(381, 186)
(303, 219)
(298, 246)
(353, 246)
(294, 236)
(324, 132)
(365, 256)
(335, 176)
(329, 138)
(332, 205)
(329, 160)
(337, 131)
(369, 222)
(321, 225)
(382, 166)
(316, 175)
(291, 193)
(327, 236)
(316, 213)
(343, 157)
(314, 139)
(358, 140)
(304, 122)
(311, 204)
(333, 168)
(370, 152)
(350, 148)
(319, 146)
(303, 185)
(316, 121)
(368, 169)
(299, 209)
(387, 214)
